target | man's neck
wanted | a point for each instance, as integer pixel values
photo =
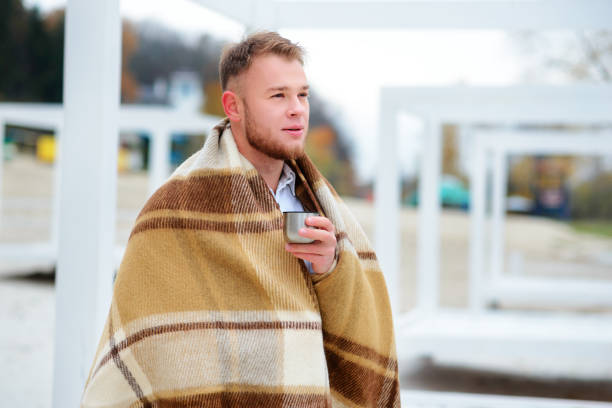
(270, 171)
(269, 168)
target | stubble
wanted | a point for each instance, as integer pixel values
(266, 144)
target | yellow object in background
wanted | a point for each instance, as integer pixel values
(123, 161)
(45, 149)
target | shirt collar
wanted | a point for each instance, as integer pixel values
(287, 179)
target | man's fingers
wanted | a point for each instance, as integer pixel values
(320, 222)
(317, 234)
(323, 250)
(315, 248)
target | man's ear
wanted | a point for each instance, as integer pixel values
(231, 106)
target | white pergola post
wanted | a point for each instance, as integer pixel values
(498, 211)
(88, 172)
(159, 157)
(477, 226)
(428, 250)
(387, 196)
(55, 205)
(2, 136)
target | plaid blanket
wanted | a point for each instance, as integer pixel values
(209, 310)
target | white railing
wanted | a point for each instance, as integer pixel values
(430, 399)
(159, 122)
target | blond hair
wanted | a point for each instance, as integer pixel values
(237, 58)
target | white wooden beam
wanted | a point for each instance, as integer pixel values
(159, 157)
(88, 172)
(477, 225)
(437, 399)
(508, 104)
(541, 343)
(2, 136)
(55, 205)
(387, 202)
(131, 117)
(427, 14)
(498, 212)
(428, 245)
(550, 292)
(553, 143)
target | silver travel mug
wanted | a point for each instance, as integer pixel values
(292, 222)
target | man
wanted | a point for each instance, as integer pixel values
(211, 308)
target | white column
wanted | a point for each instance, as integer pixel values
(2, 136)
(88, 166)
(498, 240)
(55, 205)
(428, 264)
(387, 197)
(159, 158)
(477, 225)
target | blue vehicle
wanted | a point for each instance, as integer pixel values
(453, 193)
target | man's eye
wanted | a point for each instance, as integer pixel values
(304, 95)
(279, 95)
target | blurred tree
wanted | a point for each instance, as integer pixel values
(129, 41)
(13, 59)
(450, 152)
(213, 92)
(54, 23)
(593, 199)
(321, 147)
(573, 56)
(31, 69)
(521, 174)
(31, 55)
(581, 55)
(162, 51)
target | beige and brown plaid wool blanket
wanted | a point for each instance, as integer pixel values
(209, 310)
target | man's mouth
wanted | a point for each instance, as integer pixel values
(294, 130)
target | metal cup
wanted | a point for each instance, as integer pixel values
(292, 222)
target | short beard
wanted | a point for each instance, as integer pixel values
(266, 145)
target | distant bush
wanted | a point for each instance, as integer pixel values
(593, 199)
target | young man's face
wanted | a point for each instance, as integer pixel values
(275, 95)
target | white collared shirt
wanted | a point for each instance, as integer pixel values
(285, 191)
(286, 198)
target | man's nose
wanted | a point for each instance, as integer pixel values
(296, 107)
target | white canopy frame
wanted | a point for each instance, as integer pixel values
(157, 121)
(490, 283)
(416, 14)
(91, 110)
(453, 335)
(581, 104)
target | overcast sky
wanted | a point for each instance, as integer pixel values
(348, 67)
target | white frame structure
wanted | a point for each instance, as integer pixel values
(419, 14)
(91, 99)
(581, 104)
(429, 399)
(453, 335)
(523, 290)
(157, 121)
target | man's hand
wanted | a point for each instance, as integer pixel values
(322, 251)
